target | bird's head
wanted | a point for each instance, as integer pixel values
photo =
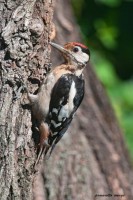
(74, 53)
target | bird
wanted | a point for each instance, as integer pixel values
(59, 96)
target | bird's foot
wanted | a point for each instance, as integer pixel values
(43, 146)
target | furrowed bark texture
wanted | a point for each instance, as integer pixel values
(91, 159)
(24, 33)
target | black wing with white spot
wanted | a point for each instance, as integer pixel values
(66, 97)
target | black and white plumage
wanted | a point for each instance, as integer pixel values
(59, 96)
(66, 97)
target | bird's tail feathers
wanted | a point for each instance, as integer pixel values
(48, 151)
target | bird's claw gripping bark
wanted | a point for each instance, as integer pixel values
(44, 146)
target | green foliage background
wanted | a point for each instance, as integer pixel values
(107, 28)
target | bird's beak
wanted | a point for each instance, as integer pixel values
(60, 48)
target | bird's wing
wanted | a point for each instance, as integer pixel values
(67, 94)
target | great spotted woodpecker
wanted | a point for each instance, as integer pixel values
(60, 95)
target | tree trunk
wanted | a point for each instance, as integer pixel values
(91, 161)
(25, 28)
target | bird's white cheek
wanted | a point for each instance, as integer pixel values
(83, 58)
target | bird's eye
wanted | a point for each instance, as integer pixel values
(75, 49)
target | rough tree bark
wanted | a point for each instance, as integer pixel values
(91, 159)
(25, 27)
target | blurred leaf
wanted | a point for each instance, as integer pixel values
(127, 95)
(104, 70)
(78, 6)
(128, 126)
(109, 2)
(106, 33)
